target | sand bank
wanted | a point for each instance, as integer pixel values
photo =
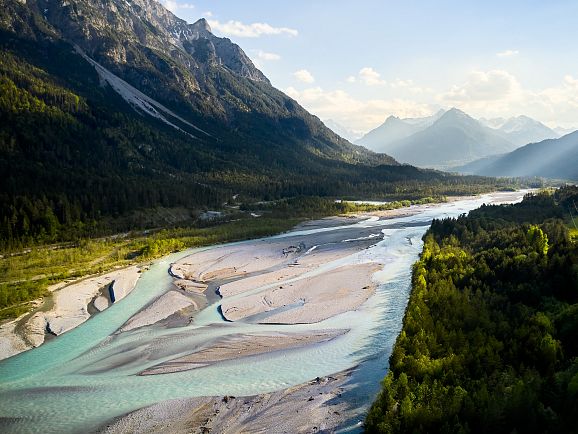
(271, 281)
(307, 300)
(71, 302)
(234, 347)
(315, 406)
(163, 307)
(69, 309)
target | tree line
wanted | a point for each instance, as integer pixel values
(490, 337)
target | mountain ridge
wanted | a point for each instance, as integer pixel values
(521, 130)
(394, 129)
(394, 134)
(190, 91)
(453, 137)
(105, 121)
(550, 158)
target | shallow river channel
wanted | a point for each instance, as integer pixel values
(88, 376)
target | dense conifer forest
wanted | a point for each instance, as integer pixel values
(73, 152)
(489, 339)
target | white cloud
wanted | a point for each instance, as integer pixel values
(208, 14)
(263, 55)
(304, 76)
(567, 93)
(370, 77)
(354, 113)
(408, 85)
(493, 93)
(558, 105)
(508, 53)
(483, 87)
(255, 30)
(173, 5)
(260, 57)
(399, 83)
(499, 93)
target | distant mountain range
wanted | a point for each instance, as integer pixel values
(521, 130)
(395, 129)
(452, 138)
(343, 131)
(552, 158)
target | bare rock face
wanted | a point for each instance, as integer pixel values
(116, 32)
(158, 53)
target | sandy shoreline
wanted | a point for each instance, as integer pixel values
(242, 318)
(306, 300)
(160, 309)
(315, 406)
(293, 279)
(235, 347)
(244, 269)
(70, 308)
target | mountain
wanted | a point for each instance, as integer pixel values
(521, 130)
(553, 158)
(563, 131)
(394, 129)
(455, 137)
(494, 123)
(113, 106)
(177, 73)
(474, 137)
(343, 131)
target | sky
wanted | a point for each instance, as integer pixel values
(357, 62)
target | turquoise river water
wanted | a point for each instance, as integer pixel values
(70, 384)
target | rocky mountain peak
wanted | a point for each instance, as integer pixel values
(123, 34)
(392, 120)
(201, 25)
(455, 117)
(456, 112)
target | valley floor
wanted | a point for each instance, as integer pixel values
(73, 301)
(291, 299)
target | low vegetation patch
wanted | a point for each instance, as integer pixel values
(26, 275)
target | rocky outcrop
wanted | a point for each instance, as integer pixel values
(121, 33)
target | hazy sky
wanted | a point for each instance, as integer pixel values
(357, 62)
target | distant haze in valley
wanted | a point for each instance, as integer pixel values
(552, 158)
(451, 138)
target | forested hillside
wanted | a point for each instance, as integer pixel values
(490, 337)
(75, 149)
(554, 158)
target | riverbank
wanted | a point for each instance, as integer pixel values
(315, 406)
(45, 271)
(286, 330)
(66, 308)
(68, 305)
(40, 321)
